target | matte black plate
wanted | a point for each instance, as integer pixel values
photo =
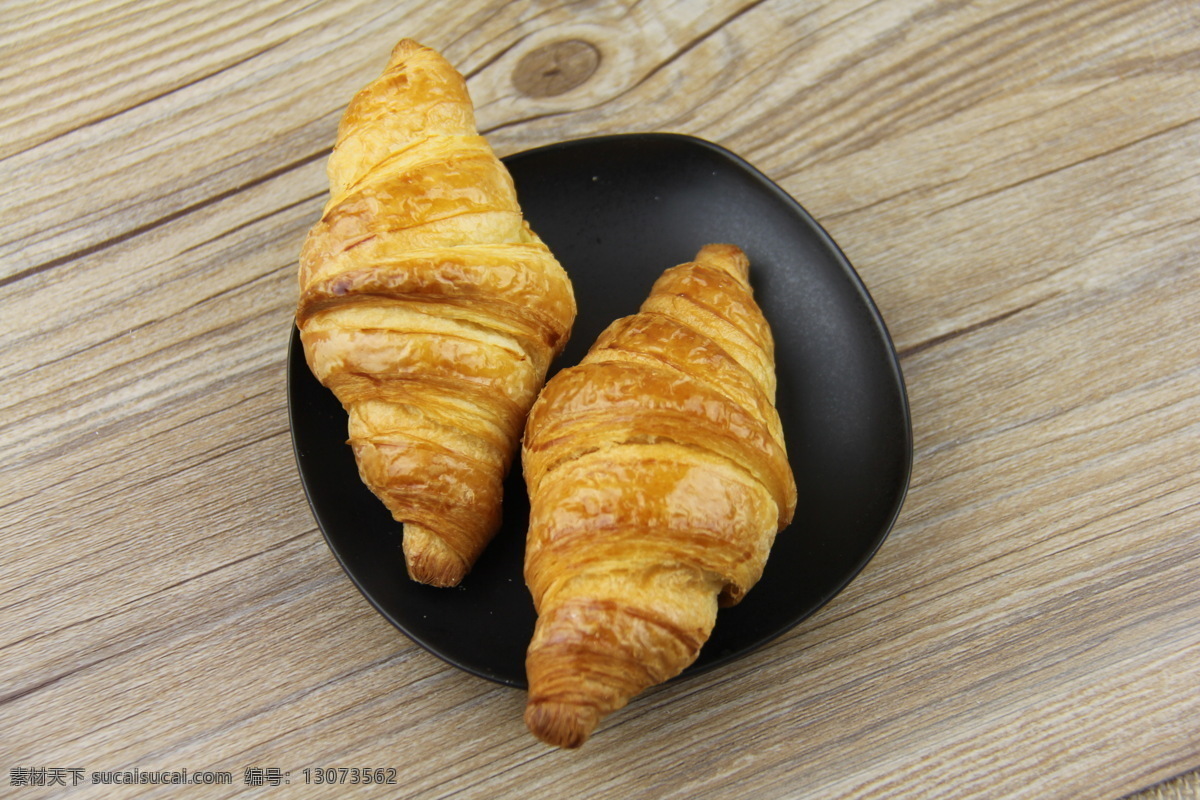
(617, 211)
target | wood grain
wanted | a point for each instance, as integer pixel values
(1016, 182)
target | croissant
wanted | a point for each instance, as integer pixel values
(430, 309)
(658, 479)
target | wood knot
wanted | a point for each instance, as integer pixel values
(556, 68)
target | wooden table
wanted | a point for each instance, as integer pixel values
(1018, 184)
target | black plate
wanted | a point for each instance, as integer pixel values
(617, 211)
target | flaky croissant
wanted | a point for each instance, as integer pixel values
(658, 480)
(430, 309)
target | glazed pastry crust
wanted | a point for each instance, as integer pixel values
(658, 479)
(429, 308)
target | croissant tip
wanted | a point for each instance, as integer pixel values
(565, 725)
(407, 46)
(728, 257)
(434, 575)
(429, 560)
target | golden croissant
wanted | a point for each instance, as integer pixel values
(429, 308)
(658, 480)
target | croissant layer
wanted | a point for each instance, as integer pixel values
(658, 479)
(430, 309)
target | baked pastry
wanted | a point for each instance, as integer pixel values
(429, 307)
(658, 480)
